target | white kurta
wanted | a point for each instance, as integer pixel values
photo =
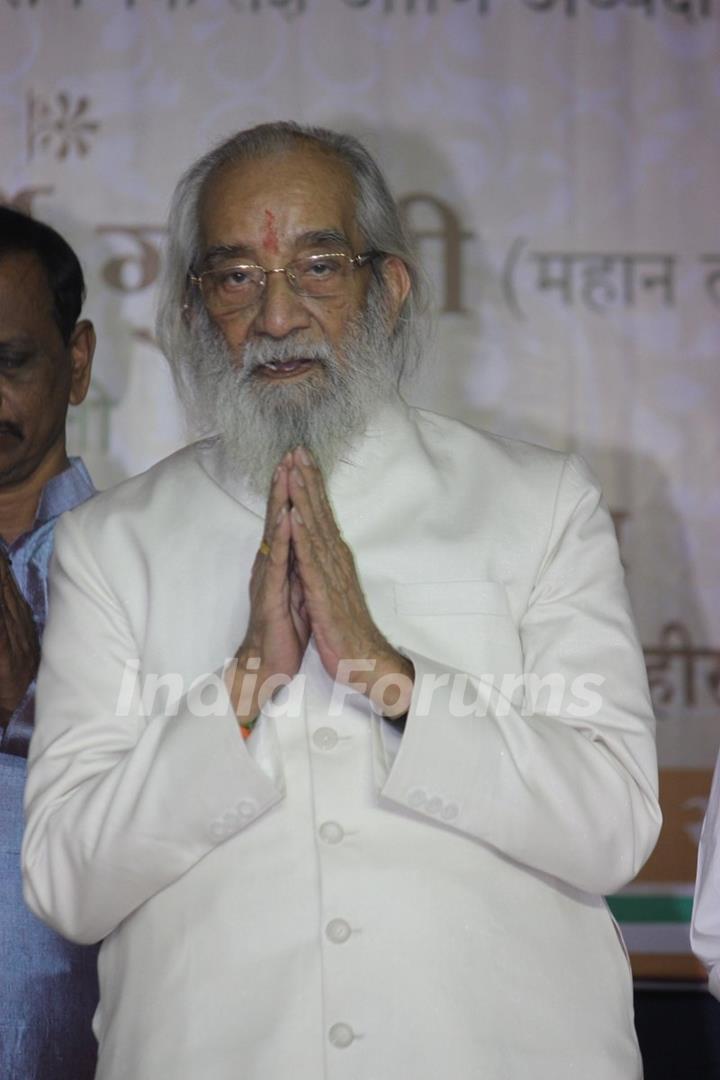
(336, 908)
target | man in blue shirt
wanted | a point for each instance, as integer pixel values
(48, 986)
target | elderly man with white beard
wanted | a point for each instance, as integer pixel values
(343, 729)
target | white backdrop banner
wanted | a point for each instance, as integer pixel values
(558, 164)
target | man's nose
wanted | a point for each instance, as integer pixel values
(280, 309)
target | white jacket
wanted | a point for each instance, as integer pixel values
(340, 903)
(705, 924)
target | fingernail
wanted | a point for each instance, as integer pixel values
(297, 515)
(304, 456)
(282, 511)
(277, 473)
(297, 476)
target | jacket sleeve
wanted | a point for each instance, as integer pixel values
(705, 925)
(120, 804)
(555, 769)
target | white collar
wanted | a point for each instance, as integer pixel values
(389, 434)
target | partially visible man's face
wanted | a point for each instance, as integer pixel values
(291, 370)
(38, 376)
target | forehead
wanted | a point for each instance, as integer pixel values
(267, 204)
(26, 302)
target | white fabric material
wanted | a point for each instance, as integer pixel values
(705, 924)
(420, 907)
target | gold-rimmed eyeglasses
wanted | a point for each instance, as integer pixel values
(229, 287)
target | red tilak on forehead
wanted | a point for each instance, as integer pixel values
(270, 237)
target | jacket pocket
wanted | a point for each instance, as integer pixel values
(466, 625)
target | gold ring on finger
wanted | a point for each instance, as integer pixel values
(264, 548)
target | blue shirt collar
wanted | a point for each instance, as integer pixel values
(63, 492)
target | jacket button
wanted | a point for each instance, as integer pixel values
(338, 931)
(331, 833)
(325, 738)
(218, 830)
(416, 798)
(434, 805)
(450, 811)
(247, 808)
(231, 820)
(341, 1035)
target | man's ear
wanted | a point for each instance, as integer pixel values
(82, 350)
(189, 303)
(397, 285)
(188, 312)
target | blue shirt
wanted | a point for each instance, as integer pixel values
(48, 986)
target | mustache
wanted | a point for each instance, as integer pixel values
(258, 353)
(8, 428)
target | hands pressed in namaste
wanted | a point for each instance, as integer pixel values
(304, 583)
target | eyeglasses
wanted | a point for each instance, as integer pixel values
(233, 286)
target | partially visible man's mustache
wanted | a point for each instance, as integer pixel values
(8, 428)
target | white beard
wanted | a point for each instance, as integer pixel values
(325, 411)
